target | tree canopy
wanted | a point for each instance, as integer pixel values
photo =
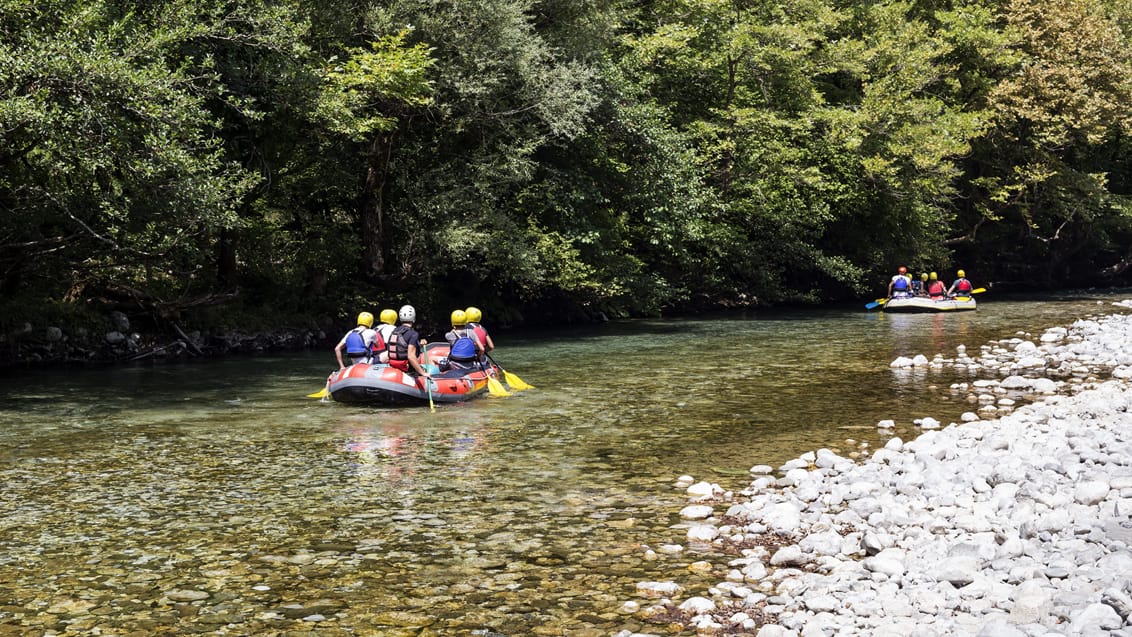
(553, 159)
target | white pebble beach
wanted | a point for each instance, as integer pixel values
(1016, 521)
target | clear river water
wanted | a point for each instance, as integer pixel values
(215, 498)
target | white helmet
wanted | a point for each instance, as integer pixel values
(407, 314)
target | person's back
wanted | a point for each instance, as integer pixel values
(936, 289)
(405, 343)
(920, 287)
(384, 331)
(901, 284)
(357, 343)
(474, 316)
(961, 286)
(465, 348)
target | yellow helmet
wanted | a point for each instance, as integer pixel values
(389, 316)
(474, 315)
(961, 274)
(365, 318)
(933, 276)
(459, 318)
(924, 276)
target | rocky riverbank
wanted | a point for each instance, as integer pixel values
(119, 341)
(1015, 522)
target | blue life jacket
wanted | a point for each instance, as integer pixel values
(464, 349)
(356, 345)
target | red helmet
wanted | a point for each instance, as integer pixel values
(902, 270)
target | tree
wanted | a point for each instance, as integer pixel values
(1040, 187)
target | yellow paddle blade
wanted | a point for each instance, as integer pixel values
(978, 290)
(318, 394)
(495, 388)
(515, 382)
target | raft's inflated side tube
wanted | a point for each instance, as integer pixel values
(384, 385)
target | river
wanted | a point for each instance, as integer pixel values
(216, 498)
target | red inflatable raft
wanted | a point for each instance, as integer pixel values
(380, 384)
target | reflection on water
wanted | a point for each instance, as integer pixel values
(216, 498)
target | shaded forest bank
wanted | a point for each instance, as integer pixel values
(239, 167)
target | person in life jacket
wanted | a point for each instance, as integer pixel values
(961, 286)
(465, 348)
(901, 284)
(405, 343)
(920, 288)
(474, 317)
(358, 343)
(936, 289)
(384, 331)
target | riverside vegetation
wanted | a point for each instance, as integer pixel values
(207, 166)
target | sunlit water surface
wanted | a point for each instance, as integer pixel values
(215, 498)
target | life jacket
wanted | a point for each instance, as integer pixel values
(463, 349)
(481, 333)
(900, 283)
(398, 348)
(936, 289)
(962, 287)
(356, 344)
(378, 345)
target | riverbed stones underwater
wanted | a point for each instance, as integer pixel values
(1020, 525)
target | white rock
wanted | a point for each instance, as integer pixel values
(1098, 615)
(697, 605)
(696, 512)
(1091, 492)
(959, 571)
(754, 572)
(928, 423)
(702, 533)
(790, 555)
(702, 490)
(783, 518)
(1031, 603)
(659, 589)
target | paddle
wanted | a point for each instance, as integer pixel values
(322, 393)
(427, 366)
(876, 303)
(514, 381)
(972, 293)
(494, 387)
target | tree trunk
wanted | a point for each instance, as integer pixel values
(226, 260)
(371, 208)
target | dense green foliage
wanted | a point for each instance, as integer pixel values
(546, 159)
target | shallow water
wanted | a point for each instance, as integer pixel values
(215, 498)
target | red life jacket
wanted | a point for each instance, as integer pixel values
(936, 289)
(481, 333)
